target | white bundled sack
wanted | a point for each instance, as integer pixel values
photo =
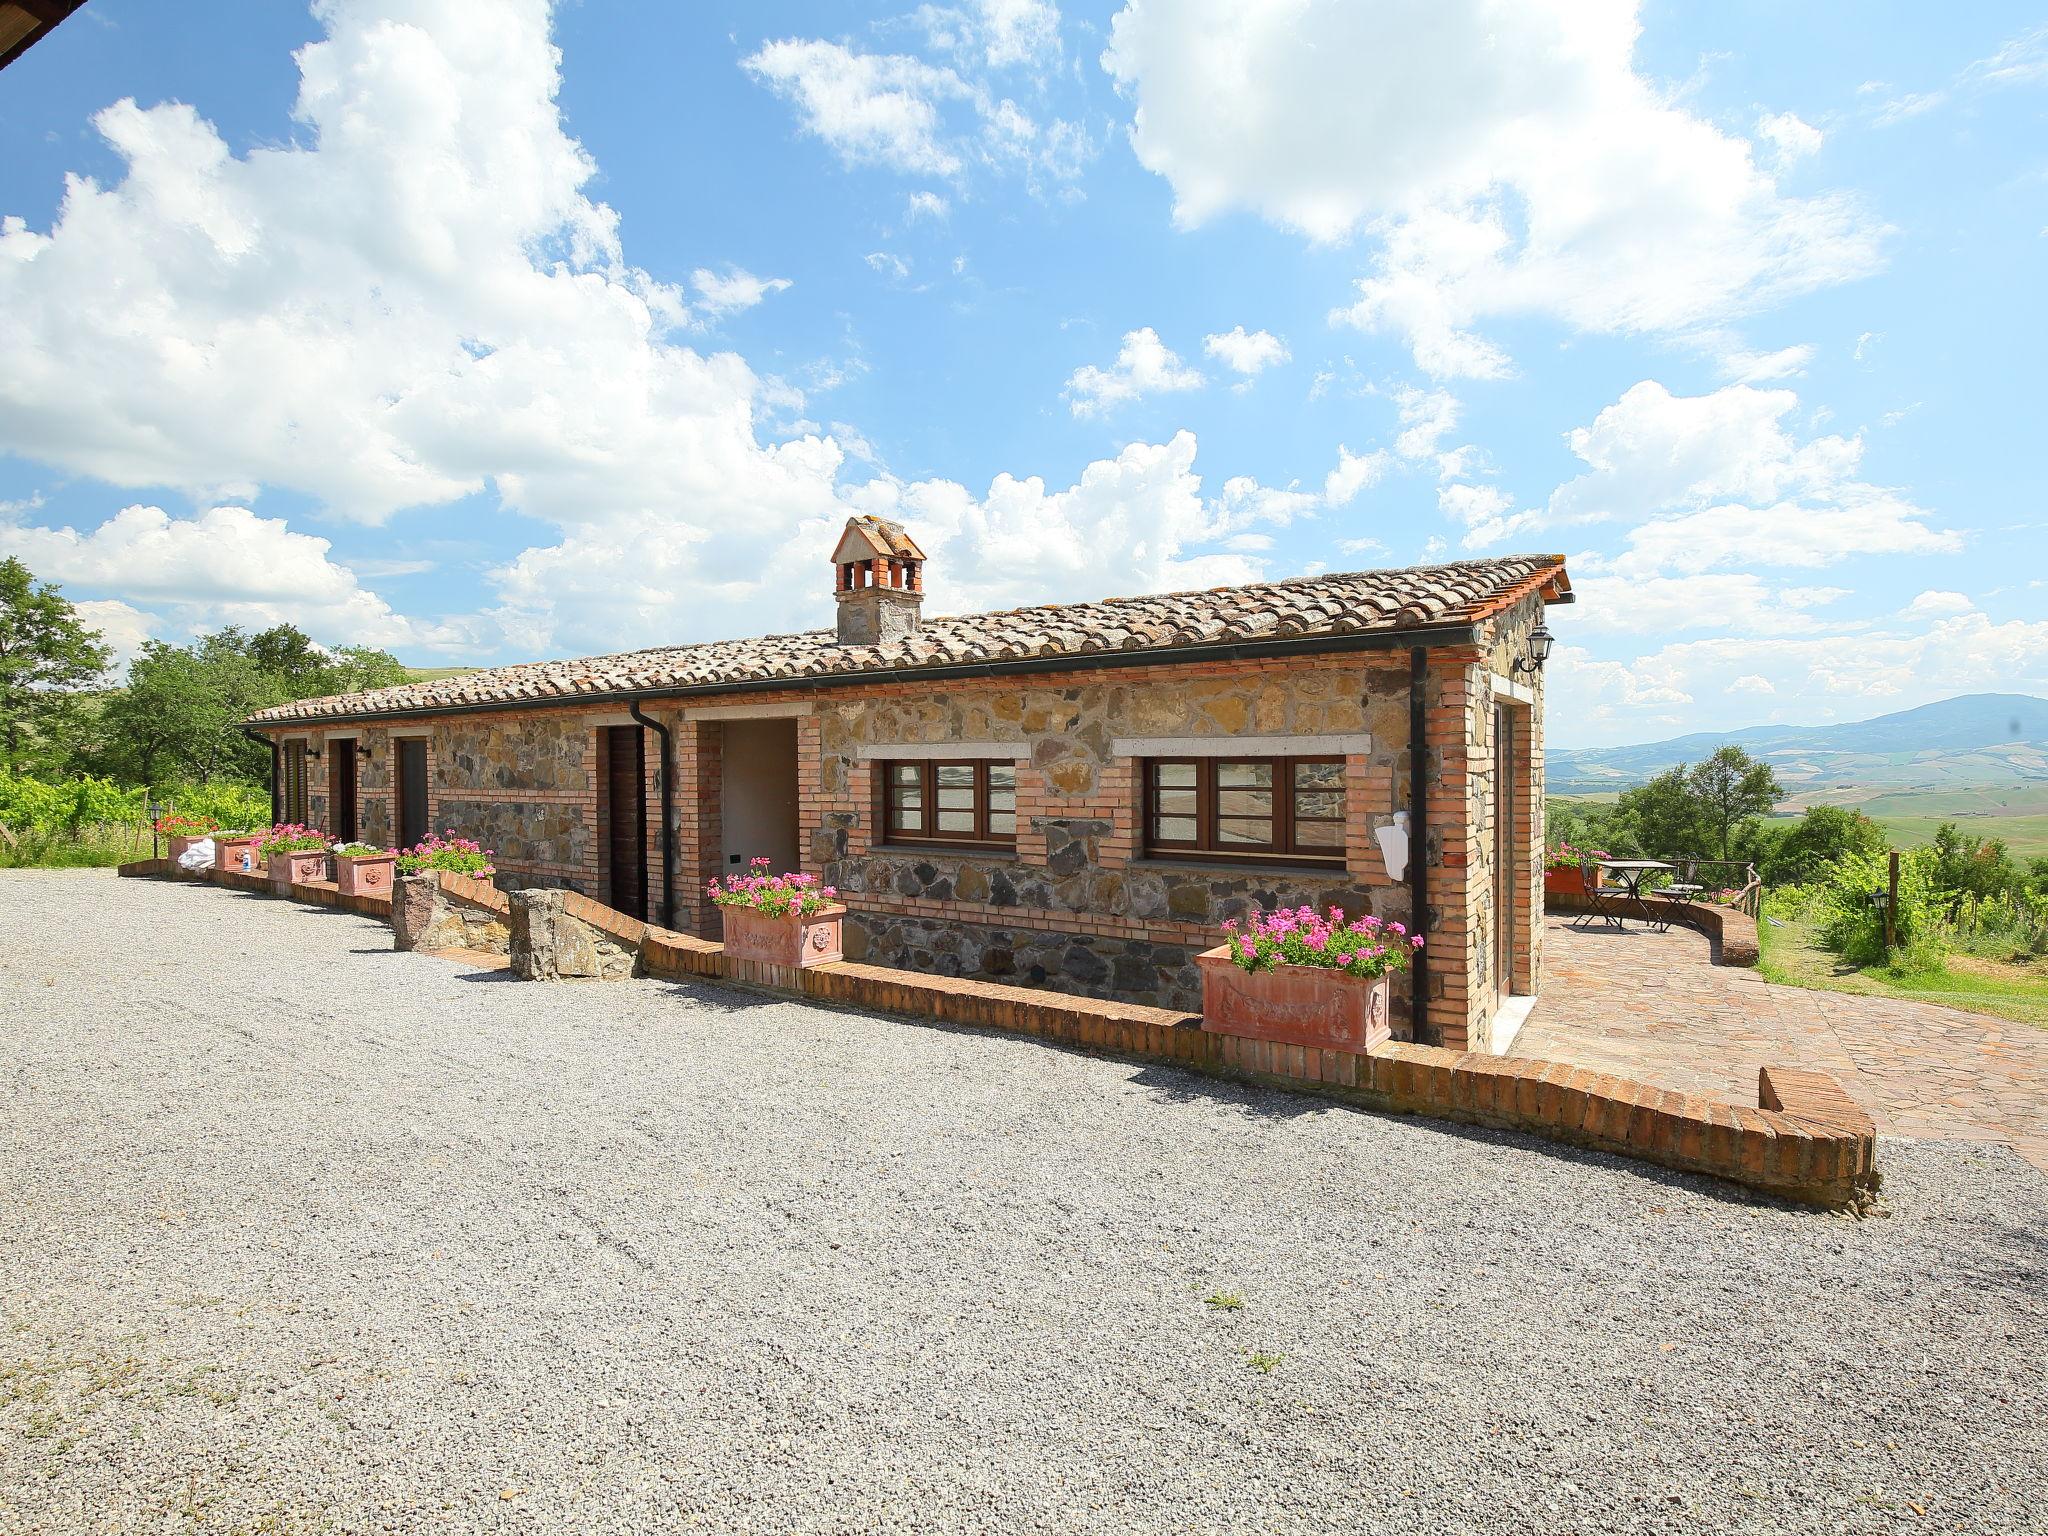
(198, 856)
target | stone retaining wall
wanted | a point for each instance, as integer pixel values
(1733, 933)
(1804, 1140)
(438, 910)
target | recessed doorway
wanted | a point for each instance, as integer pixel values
(758, 794)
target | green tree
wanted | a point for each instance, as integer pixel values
(359, 668)
(180, 717)
(1973, 866)
(47, 657)
(1730, 790)
(1824, 835)
(1661, 817)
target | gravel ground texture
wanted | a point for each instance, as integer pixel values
(304, 1235)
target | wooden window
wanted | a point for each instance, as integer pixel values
(963, 805)
(1288, 809)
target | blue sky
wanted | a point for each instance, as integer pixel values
(386, 318)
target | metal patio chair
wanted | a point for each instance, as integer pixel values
(1681, 892)
(1598, 903)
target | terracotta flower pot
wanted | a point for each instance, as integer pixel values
(236, 853)
(784, 941)
(179, 846)
(1295, 1004)
(290, 869)
(364, 874)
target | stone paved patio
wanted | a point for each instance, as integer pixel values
(1652, 1006)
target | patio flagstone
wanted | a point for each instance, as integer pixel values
(1653, 1006)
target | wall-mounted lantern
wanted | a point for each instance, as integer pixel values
(1540, 642)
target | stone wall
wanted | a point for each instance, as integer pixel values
(1078, 906)
(559, 936)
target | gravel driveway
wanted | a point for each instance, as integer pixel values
(302, 1234)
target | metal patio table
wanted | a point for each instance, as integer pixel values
(1630, 874)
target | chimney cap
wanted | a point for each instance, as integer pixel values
(867, 537)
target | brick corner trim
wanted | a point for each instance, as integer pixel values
(1805, 1140)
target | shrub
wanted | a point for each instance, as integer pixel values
(777, 895)
(224, 804)
(1850, 922)
(1304, 936)
(457, 855)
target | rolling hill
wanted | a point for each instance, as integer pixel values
(1974, 743)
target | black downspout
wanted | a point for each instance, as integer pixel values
(1418, 842)
(276, 753)
(668, 819)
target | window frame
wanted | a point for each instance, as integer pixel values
(1285, 846)
(981, 840)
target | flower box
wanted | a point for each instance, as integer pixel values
(364, 874)
(179, 846)
(236, 851)
(1314, 1006)
(789, 941)
(290, 869)
(1571, 880)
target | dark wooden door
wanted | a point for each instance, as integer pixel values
(1506, 887)
(341, 775)
(295, 782)
(412, 791)
(626, 808)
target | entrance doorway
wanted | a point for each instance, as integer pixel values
(412, 791)
(625, 806)
(758, 795)
(341, 771)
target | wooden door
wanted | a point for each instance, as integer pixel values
(1506, 886)
(295, 782)
(341, 782)
(626, 818)
(412, 791)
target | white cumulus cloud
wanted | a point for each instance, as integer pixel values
(1503, 157)
(1249, 354)
(1144, 366)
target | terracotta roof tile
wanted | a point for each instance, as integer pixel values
(1304, 606)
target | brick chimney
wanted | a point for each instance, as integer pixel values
(879, 576)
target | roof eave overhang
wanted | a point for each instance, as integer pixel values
(1429, 636)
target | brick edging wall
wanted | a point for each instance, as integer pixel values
(1804, 1140)
(1734, 933)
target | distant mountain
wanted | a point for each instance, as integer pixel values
(1979, 739)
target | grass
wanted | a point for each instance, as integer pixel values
(2025, 837)
(2008, 989)
(95, 845)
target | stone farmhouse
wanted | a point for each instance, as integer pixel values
(1074, 796)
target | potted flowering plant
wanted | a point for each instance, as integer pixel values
(456, 855)
(1565, 874)
(363, 869)
(1305, 977)
(235, 849)
(787, 920)
(296, 855)
(180, 832)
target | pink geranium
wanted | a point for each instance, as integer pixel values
(1366, 946)
(790, 895)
